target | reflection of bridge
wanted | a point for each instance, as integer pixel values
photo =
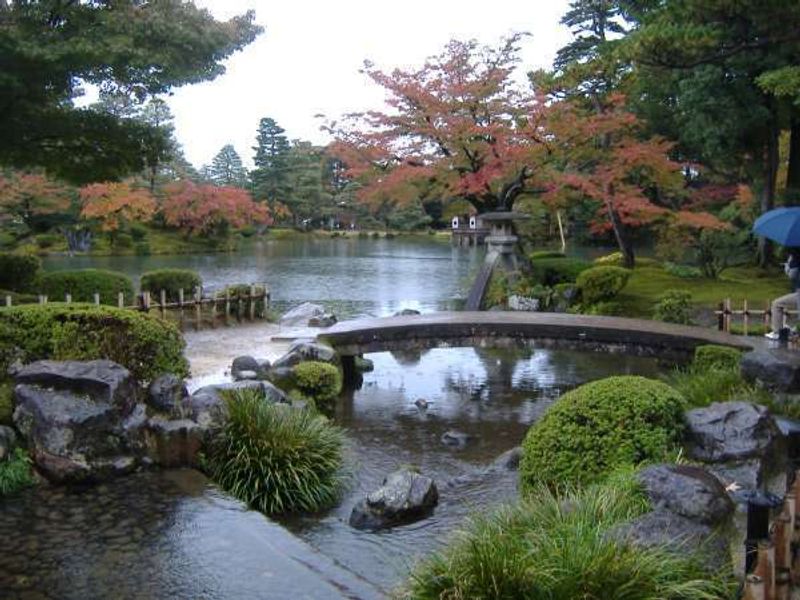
(606, 334)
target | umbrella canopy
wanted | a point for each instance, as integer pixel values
(781, 225)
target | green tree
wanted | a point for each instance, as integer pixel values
(721, 67)
(308, 199)
(270, 175)
(50, 48)
(226, 168)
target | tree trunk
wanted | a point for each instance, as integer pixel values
(625, 245)
(793, 174)
(770, 174)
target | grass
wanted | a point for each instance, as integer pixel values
(6, 401)
(276, 458)
(15, 473)
(557, 547)
(650, 281)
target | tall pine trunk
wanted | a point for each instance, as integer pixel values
(793, 174)
(769, 176)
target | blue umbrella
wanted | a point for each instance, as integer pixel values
(781, 225)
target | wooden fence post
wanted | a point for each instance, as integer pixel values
(162, 301)
(745, 314)
(198, 307)
(227, 304)
(180, 305)
(8, 301)
(68, 298)
(252, 303)
(121, 300)
(765, 567)
(754, 588)
(721, 317)
(97, 298)
(42, 299)
(727, 315)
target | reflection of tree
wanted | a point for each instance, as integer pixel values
(409, 357)
(500, 365)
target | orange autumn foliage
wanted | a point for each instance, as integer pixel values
(114, 204)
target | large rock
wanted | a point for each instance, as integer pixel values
(174, 443)
(166, 394)
(404, 497)
(456, 439)
(675, 533)
(303, 350)
(407, 312)
(81, 420)
(247, 367)
(326, 320)
(301, 314)
(206, 406)
(741, 443)
(688, 491)
(776, 368)
(8, 441)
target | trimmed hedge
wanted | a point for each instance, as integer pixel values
(170, 280)
(712, 357)
(146, 345)
(82, 284)
(599, 427)
(674, 306)
(599, 284)
(552, 271)
(319, 381)
(18, 271)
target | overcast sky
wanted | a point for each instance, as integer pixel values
(307, 60)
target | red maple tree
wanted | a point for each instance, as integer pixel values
(114, 205)
(29, 195)
(458, 127)
(208, 209)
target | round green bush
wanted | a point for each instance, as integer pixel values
(602, 283)
(674, 306)
(552, 271)
(319, 381)
(171, 281)
(599, 427)
(47, 240)
(614, 260)
(18, 272)
(83, 284)
(712, 357)
(146, 345)
(276, 458)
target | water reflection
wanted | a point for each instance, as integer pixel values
(491, 394)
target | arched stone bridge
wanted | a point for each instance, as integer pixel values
(455, 329)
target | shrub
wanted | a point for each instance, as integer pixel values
(17, 298)
(552, 271)
(6, 402)
(614, 260)
(144, 344)
(170, 280)
(319, 381)
(701, 388)
(542, 549)
(82, 284)
(710, 356)
(607, 308)
(142, 249)
(540, 254)
(682, 271)
(599, 427)
(674, 306)
(602, 283)
(138, 231)
(18, 271)
(15, 473)
(47, 240)
(276, 458)
(123, 240)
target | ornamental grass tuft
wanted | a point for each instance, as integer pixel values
(276, 458)
(15, 473)
(558, 547)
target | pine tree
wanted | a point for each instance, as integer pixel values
(227, 169)
(269, 178)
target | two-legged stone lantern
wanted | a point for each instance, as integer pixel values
(501, 252)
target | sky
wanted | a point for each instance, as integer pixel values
(307, 61)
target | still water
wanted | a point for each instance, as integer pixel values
(492, 395)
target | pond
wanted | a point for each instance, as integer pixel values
(492, 395)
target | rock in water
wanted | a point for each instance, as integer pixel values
(404, 497)
(245, 365)
(166, 394)
(326, 320)
(776, 368)
(80, 419)
(302, 351)
(456, 439)
(206, 406)
(688, 491)
(407, 312)
(300, 315)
